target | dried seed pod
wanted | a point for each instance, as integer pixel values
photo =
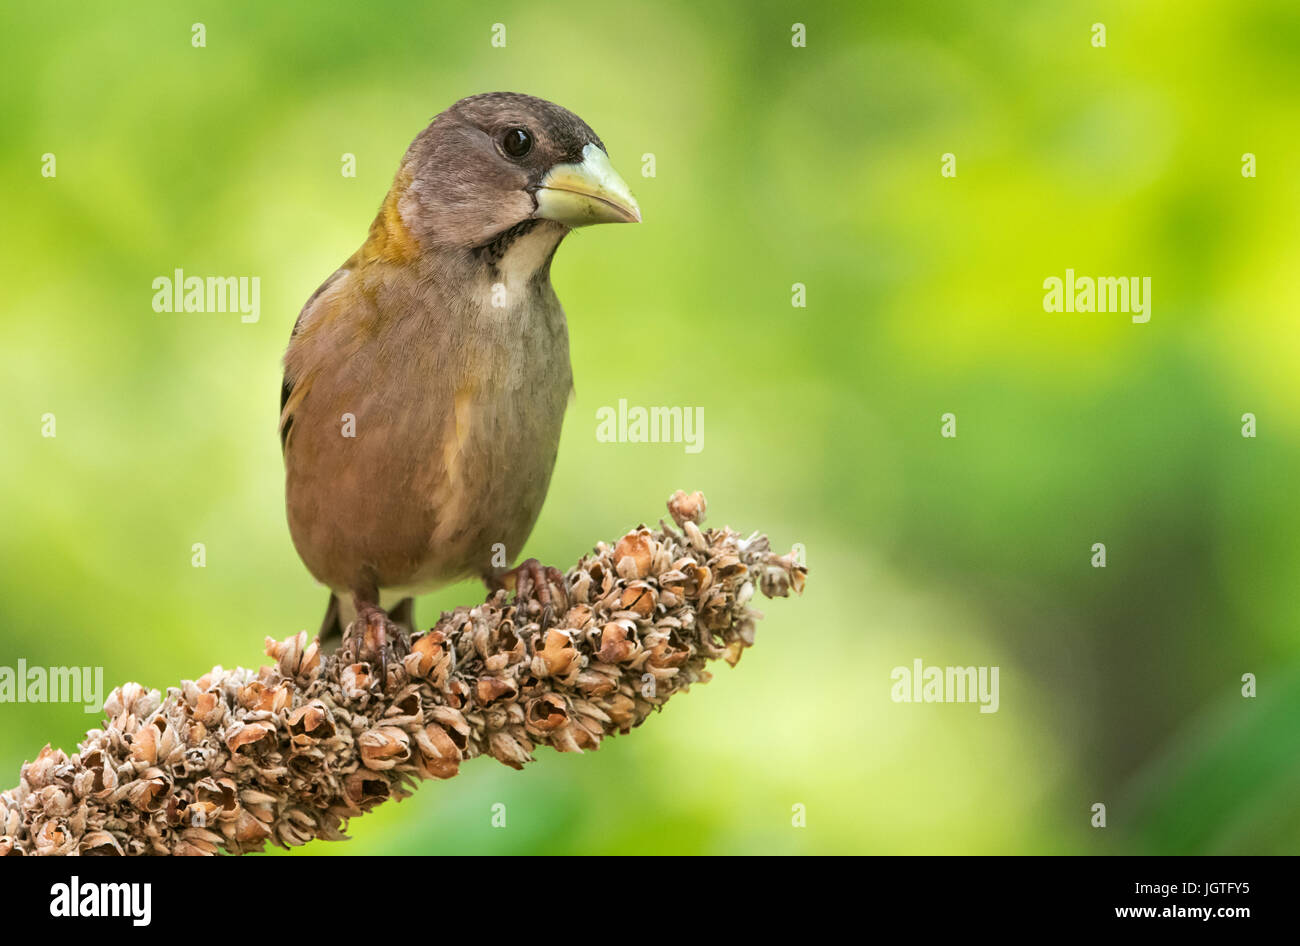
(356, 682)
(364, 789)
(149, 791)
(734, 650)
(294, 657)
(53, 838)
(491, 689)
(640, 598)
(666, 655)
(715, 613)
(744, 595)
(546, 713)
(310, 723)
(218, 794)
(622, 711)
(248, 830)
(564, 739)
(557, 656)
(131, 699)
(729, 566)
(101, 843)
(634, 554)
(580, 587)
(509, 750)
(144, 748)
(384, 747)
(578, 617)
(241, 735)
(431, 658)
(617, 643)
(598, 680)
(441, 751)
(432, 767)
(209, 709)
(683, 507)
(695, 536)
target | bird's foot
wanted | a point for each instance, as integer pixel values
(374, 639)
(546, 583)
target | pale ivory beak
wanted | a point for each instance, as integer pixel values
(588, 192)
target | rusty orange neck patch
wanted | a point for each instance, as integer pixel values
(389, 238)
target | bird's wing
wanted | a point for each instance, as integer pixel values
(295, 388)
(291, 395)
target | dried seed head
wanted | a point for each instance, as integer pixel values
(238, 758)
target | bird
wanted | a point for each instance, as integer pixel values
(426, 380)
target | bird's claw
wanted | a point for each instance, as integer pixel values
(544, 581)
(372, 638)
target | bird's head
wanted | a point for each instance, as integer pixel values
(493, 162)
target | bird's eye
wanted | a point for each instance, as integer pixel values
(517, 142)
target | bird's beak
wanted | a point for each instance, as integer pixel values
(587, 192)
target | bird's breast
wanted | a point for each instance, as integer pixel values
(425, 444)
(493, 465)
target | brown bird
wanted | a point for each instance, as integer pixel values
(426, 380)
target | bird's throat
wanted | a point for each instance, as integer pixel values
(521, 256)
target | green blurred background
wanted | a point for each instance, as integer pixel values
(775, 165)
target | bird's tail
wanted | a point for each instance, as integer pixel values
(332, 625)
